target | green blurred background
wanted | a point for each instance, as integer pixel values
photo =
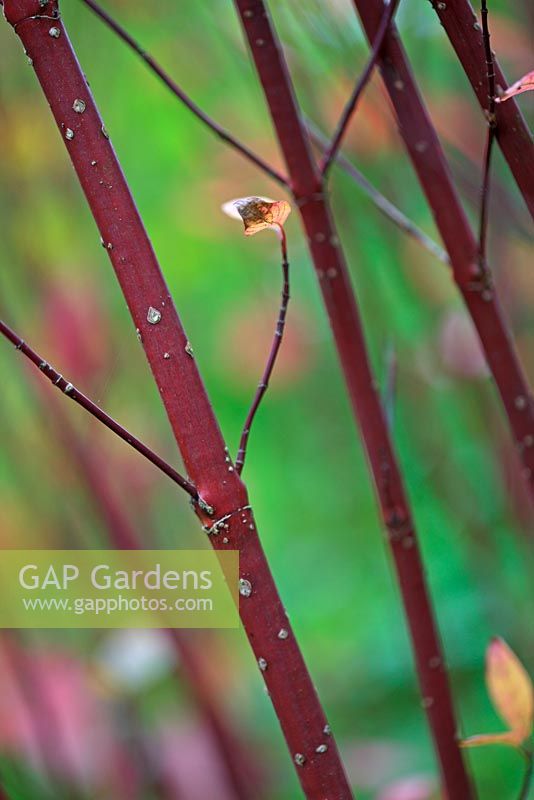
(306, 469)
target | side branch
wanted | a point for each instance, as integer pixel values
(331, 152)
(513, 136)
(275, 347)
(82, 400)
(210, 123)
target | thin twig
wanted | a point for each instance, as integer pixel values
(348, 111)
(492, 125)
(529, 768)
(384, 205)
(71, 391)
(217, 129)
(275, 347)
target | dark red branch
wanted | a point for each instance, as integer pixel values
(192, 419)
(490, 136)
(475, 284)
(341, 306)
(512, 133)
(275, 347)
(71, 391)
(217, 129)
(361, 83)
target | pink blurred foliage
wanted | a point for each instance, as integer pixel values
(189, 763)
(52, 713)
(76, 330)
(371, 763)
(413, 787)
(460, 348)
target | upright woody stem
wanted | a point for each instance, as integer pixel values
(275, 347)
(340, 302)
(195, 427)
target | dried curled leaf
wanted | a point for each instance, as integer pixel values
(258, 213)
(524, 84)
(512, 695)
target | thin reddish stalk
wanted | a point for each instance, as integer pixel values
(275, 347)
(195, 427)
(341, 306)
(385, 206)
(513, 136)
(217, 129)
(490, 115)
(333, 148)
(71, 391)
(475, 285)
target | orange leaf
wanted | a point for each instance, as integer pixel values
(490, 738)
(524, 84)
(510, 689)
(258, 213)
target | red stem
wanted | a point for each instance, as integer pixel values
(345, 321)
(195, 427)
(361, 83)
(478, 293)
(217, 129)
(513, 136)
(71, 391)
(275, 347)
